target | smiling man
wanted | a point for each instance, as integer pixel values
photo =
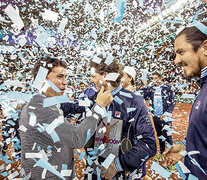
(191, 54)
(48, 139)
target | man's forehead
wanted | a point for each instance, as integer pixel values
(180, 42)
(59, 70)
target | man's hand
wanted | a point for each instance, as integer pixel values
(162, 117)
(172, 156)
(111, 171)
(104, 98)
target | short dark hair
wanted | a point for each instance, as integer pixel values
(194, 36)
(82, 83)
(113, 67)
(48, 63)
(132, 81)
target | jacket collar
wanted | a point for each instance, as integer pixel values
(202, 81)
(203, 78)
(116, 90)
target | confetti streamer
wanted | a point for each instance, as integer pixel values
(180, 171)
(55, 88)
(81, 156)
(192, 177)
(46, 165)
(118, 100)
(55, 100)
(130, 110)
(160, 170)
(14, 16)
(112, 76)
(18, 96)
(50, 15)
(41, 75)
(125, 94)
(88, 135)
(108, 161)
(120, 10)
(200, 26)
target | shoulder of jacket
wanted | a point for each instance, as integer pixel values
(38, 98)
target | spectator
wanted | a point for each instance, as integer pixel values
(80, 93)
(82, 86)
(162, 102)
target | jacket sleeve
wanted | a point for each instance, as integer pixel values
(70, 108)
(144, 143)
(171, 103)
(66, 133)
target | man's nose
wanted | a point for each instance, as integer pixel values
(177, 60)
(65, 82)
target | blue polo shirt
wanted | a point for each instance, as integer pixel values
(158, 104)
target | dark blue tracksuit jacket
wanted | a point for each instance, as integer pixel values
(168, 97)
(71, 109)
(196, 139)
(143, 148)
(90, 91)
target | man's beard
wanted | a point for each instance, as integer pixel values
(195, 74)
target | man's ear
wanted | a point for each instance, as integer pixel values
(204, 45)
(131, 78)
(105, 74)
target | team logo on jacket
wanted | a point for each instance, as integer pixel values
(197, 105)
(117, 114)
